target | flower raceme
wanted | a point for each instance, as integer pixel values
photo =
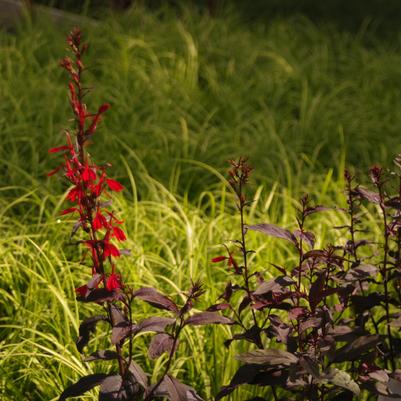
(89, 181)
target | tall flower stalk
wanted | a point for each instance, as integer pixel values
(90, 198)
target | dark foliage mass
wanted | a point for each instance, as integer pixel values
(327, 327)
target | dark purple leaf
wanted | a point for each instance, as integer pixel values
(217, 307)
(83, 385)
(117, 316)
(252, 335)
(342, 379)
(105, 355)
(275, 285)
(316, 209)
(87, 327)
(274, 231)
(345, 333)
(361, 272)
(379, 375)
(306, 236)
(154, 298)
(311, 323)
(138, 374)
(278, 329)
(174, 390)
(370, 196)
(120, 332)
(160, 344)
(269, 357)
(114, 388)
(244, 375)
(354, 350)
(315, 292)
(208, 318)
(362, 303)
(244, 303)
(155, 323)
(311, 366)
(100, 295)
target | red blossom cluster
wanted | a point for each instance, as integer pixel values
(90, 184)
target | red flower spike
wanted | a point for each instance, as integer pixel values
(219, 259)
(114, 185)
(113, 282)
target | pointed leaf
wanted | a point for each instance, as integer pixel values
(154, 298)
(155, 323)
(83, 385)
(269, 356)
(160, 344)
(275, 285)
(274, 231)
(174, 390)
(208, 318)
(138, 374)
(104, 355)
(342, 379)
(87, 327)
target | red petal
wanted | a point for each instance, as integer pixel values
(103, 108)
(114, 185)
(57, 169)
(58, 149)
(218, 259)
(119, 234)
(82, 291)
(113, 282)
(70, 210)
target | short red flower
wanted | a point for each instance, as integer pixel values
(114, 185)
(110, 250)
(113, 282)
(119, 234)
(82, 291)
(99, 221)
(218, 259)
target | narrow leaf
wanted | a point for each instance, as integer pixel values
(154, 298)
(208, 318)
(274, 231)
(83, 385)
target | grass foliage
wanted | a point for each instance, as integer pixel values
(187, 91)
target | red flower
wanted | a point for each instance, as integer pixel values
(114, 185)
(69, 210)
(113, 282)
(218, 259)
(58, 149)
(88, 174)
(119, 234)
(99, 221)
(82, 291)
(110, 250)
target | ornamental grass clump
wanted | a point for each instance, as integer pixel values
(100, 234)
(327, 327)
